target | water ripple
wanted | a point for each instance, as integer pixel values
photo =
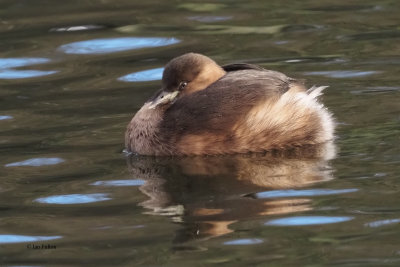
(302, 193)
(132, 182)
(7, 63)
(10, 239)
(5, 117)
(143, 76)
(73, 199)
(379, 35)
(382, 223)
(244, 241)
(376, 90)
(77, 28)
(36, 162)
(210, 18)
(308, 220)
(21, 74)
(342, 73)
(111, 45)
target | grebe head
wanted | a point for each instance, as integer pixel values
(184, 75)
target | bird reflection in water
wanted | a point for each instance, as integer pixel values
(206, 195)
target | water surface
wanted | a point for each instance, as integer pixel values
(72, 74)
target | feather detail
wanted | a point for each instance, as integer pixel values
(316, 91)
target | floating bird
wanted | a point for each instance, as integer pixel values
(206, 109)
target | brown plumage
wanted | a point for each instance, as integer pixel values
(205, 109)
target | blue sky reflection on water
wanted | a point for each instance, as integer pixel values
(7, 63)
(342, 73)
(7, 66)
(308, 220)
(382, 223)
(244, 241)
(5, 117)
(132, 182)
(10, 239)
(303, 193)
(36, 162)
(112, 45)
(143, 76)
(73, 199)
(21, 74)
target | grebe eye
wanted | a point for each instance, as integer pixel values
(182, 85)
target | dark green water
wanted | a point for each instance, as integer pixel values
(71, 78)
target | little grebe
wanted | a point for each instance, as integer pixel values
(205, 109)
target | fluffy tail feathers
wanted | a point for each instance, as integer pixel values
(316, 91)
